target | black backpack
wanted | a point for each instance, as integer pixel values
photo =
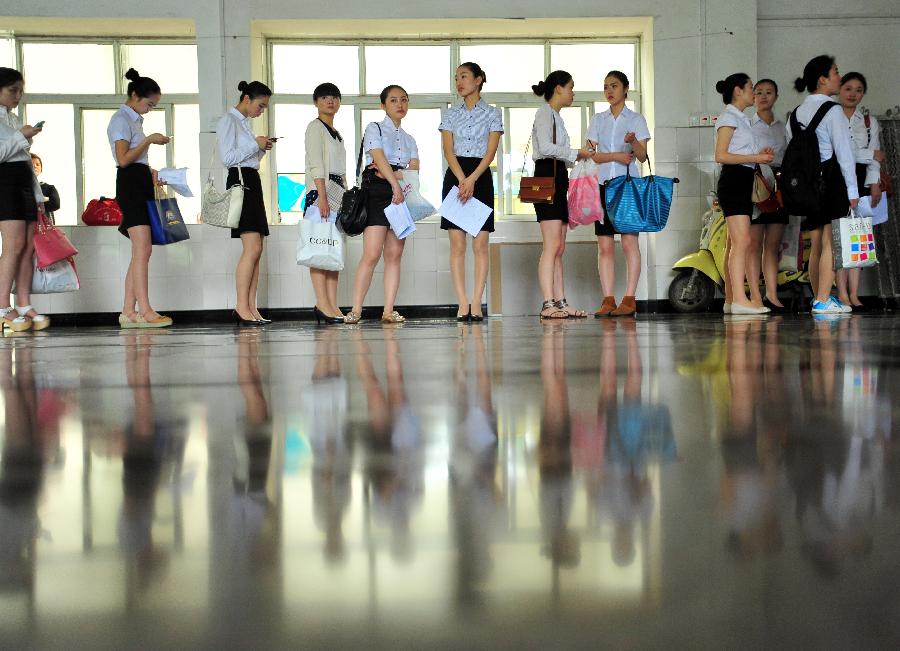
(801, 183)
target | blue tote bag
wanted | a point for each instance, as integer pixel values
(639, 204)
(166, 224)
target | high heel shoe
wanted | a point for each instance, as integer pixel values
(475, 317)
(38, 321)
(242, 322)
(19, 324)
(321, 316)
(462, 318)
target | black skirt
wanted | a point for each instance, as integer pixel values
(559, 209)
(780, 216)
(378, 197)
(735, 190)
(607, 228)
(484, 190)
(17, 200)
(253, 211)
(836, 203)
(134, 188)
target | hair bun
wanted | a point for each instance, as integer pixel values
(539, 88)
(720, 86)
(799, 84)
(132, 75)
(242, 86)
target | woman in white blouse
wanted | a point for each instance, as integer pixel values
(326, 167)
(241, 151)
(821, 80)
(18, 207)
(767, 229)
(553, 154)
(865, 134)
(389, 150)
(135, 184)
(738, 154)
(619, 136)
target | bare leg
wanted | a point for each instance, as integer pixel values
(139, 272)
(815, 253)
(606, 264)
(739, 233)
(458, 268)
(373, 244)
(26, 270)
(319, 280)
(826, 268)
(631, 248)
(853, 276)
(771, 249)
(841, 280)
(480, 249)
(393, 251)
(13, 234)
(754, 261)
(254, 281)
(331, 288)
(243, 276)
(729, 296)
(553, 247)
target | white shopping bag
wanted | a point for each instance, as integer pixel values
(58, 278)
(791, 257)
(400, 220)
(853, 242)
(321, 245)
(419, 207)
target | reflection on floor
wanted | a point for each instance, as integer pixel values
(678, 481)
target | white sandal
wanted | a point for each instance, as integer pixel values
(19, 324)
(38, 321)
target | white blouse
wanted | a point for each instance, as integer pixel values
(542, 145)
(237, 142)
(833, 136)
(770, 135)
(743, 140)
(127, 125)
(471, 129)
(14, 146)
(865, 142)
(398, 146)
(607, 132)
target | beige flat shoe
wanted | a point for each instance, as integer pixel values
(159, 322)
(393, 317)
(352, 317)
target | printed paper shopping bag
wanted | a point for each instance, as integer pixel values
(853, 242)
(321, 244)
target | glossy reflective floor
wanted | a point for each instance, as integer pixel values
(669, 482)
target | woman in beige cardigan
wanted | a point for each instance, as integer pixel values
(326, 166)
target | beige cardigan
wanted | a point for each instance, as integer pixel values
(318, 159)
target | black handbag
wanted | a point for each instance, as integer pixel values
(351, 217)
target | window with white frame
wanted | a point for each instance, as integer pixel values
(75, 85)
(425, 69)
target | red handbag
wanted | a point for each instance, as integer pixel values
(102, 212)
(50, 244)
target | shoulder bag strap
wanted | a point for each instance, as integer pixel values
(868, 123)
(552, 117)
(820, 115)
(212, 159)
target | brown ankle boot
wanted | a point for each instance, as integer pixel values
(606, 308)
(626, 308)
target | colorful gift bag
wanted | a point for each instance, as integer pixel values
(853, 242)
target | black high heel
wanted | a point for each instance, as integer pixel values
(242, 322)
(462, 318)
(321, 316)
(475, 317)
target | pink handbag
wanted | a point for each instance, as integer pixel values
(584, 195)
(50, 244)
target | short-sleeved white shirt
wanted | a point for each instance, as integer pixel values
(770, 135)
(398, 146)
(471, 129)
(127, 125)
(608, 132)
(743, 140)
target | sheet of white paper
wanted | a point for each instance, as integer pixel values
(400, 220)
(176, 178)
(879, 213)
(469, 216)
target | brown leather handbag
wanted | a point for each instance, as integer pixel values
(538, 189)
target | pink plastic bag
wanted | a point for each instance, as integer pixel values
(584, 195)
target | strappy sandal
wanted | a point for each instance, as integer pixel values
(563, 304)
(557, 313)
(19, 324)
(38, 321)
(393, 317)
(352, 317)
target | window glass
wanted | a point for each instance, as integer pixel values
(518, 129)
(418, 68)
(298, 69)
(56, 147)
(510, 68)
(588, 63)
(421, 124)
(187, 154)
(290, 121)
(80, 68)
(174, 67)
(7, 53)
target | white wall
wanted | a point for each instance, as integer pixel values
(693, 43)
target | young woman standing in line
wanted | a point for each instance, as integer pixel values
(767, 230)
(552, 154)
(135, 186)
(865, 134)
(18, 208)
(738, 154)
(389, 151)
(241, 151)
(619, 136)
(470, 133)
(326, 160)
(821, 80)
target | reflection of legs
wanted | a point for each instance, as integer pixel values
(553, 377)
(393, 251)
(739, 380)
(379, 412)
(822, 374)
(396, 390)
(251, 251)
(327, 362)
(825, 264)
(634, 374)
(373, 244)
(754, 261)
(482, 374)
(771, 250)
(480, 249)
(250, 379)
(137, 372)
(458, 268)
(606, 264)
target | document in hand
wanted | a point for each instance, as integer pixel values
(176, 178)
(469, 216)
(879, 213)
(400, 220)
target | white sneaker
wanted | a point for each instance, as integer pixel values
(845, 309)
(726, 308)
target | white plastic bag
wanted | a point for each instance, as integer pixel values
(321, 245)
(419, 207)
(584, 194)
(790, 258)
(58, 278)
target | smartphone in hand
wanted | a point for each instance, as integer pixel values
(39, 125)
